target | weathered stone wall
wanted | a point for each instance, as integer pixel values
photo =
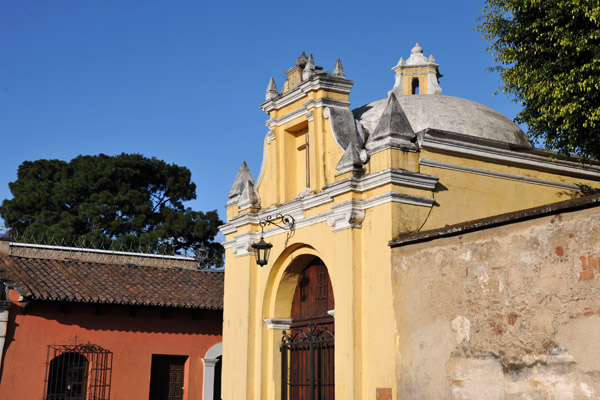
(510, 312)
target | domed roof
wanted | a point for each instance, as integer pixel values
(447, 113)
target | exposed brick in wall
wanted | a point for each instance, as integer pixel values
(507, 312)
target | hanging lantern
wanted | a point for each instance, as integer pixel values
(261, 251)
(262, 248)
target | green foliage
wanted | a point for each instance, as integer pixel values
(122, 201)
(548, 55)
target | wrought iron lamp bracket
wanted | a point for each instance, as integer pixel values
(286, 222)
(262, 248)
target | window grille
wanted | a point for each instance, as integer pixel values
(78, 372)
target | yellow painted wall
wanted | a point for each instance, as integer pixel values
(358, 259)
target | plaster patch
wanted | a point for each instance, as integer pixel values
(585, 389)
(462, 329)
(525, 257)
(577, 336)
(483, 278)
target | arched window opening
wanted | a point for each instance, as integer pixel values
(78, 372)
(415, 86)
(67, 377)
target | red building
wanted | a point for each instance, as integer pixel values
(89, 324)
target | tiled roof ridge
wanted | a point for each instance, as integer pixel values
(90, 282)
(125, 264)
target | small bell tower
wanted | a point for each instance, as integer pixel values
(417, 75)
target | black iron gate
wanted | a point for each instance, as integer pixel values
(78, 372)
(307, 364)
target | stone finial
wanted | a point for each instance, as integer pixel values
(416, 56)
(338, 70)
(350, 160)
(401, 61)
(301, 61)
(309, 69)
(392, 130)
(417, 49)
(431, 58)
(242, 177)
(271, 90)
(249, 197)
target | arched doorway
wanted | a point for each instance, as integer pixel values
(212, 372)
(308, 350)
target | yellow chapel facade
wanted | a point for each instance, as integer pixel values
(352, 180)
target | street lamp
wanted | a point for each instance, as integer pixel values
(261, 248)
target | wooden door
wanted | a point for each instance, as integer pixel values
(308, 352)
(166, 378)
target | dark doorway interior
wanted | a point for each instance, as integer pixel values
(166, 378)
(217, 387)
(308, 350)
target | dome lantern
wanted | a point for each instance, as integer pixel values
(417, 75)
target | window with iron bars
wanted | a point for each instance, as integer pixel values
(78, 372)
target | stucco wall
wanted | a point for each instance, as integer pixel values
(511, 312)
(132, 340)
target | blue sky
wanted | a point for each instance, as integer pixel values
(182, 80)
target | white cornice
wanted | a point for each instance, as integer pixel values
(496, 174)
(318, 82)
(285, 118)
(349, 214)
(371, 181)
(326, 102)
(327, 83)
(296, 208)
(305, 110)
(503, 153)
(278, 323)
(283, 100)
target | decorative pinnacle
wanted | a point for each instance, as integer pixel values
(309, 69)
(431, 59)
(338, 70)
(301, 61)
(271, 90)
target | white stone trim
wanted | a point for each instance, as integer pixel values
(4, 311)
(284, 99)
(490, 150)
(326, 102)
(240, 245)
(331, 312)
(346, 215)
(278, 323)
(270, 136)
(300, 91)
(396, 197)
(496, 174)
(210, 361)
(285, 118)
